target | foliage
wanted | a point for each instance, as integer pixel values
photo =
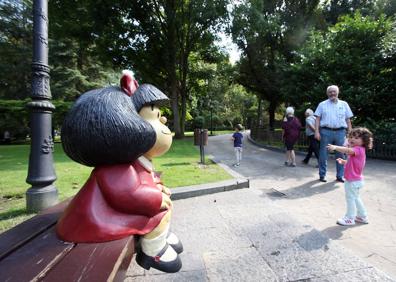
(268, 32)
(15, 49)
(383, 131)
(73, 62)
(199, 122)
(334, 9)
(170, 44)
(14, 116)
(357, 55)
(157, 40)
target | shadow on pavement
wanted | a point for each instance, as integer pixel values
(336, 231)
(304, 190)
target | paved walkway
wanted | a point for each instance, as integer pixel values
(283, 228)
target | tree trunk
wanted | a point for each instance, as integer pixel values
(260, 112)
(175, 109)
(271, 113)
(183, 90)
(171, 64)
(183, 113)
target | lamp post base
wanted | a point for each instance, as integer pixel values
(38, 199)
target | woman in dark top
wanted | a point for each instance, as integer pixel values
(291, 131)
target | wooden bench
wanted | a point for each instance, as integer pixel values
(31, 251)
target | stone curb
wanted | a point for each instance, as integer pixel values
(238, 182)
(179, 193)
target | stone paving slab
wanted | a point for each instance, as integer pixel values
(320, 204)
(242, 235)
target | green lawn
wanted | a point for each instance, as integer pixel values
(215, 132)
(179, 166)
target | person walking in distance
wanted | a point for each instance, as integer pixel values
(313, 146)
(291, 132)
(238, 137)
(359, 140)
(333, 120)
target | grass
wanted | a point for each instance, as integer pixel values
(179, 167)
(215, 132)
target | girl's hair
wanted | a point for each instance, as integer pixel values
(363, 133)
(104, 128)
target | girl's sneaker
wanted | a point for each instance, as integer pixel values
(362, 219)
(346, 221)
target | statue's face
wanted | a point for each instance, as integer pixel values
(152, 114)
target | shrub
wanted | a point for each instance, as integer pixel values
(199, 122)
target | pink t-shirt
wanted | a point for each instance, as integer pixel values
(355, 164)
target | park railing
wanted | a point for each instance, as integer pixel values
(265, 136)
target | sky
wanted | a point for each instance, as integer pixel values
(227, 44)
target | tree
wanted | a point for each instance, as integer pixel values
(268, 32)
(334, 9)
(387, 7)
(15, 49)
(76, 66)
(157, 40)
(358, 54)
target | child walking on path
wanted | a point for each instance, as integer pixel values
(359, 139)
(237, 137)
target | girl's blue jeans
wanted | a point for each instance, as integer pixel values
(355, 205)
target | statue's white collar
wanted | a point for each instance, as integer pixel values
(146, 163)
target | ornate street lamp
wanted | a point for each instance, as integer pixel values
(41, 174)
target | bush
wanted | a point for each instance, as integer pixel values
(237, 120)
(199, 122)
(14, 116)
(384, 131)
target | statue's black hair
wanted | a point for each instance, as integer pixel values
(103, 127)
(148, 94)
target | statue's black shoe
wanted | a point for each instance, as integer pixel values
(146, 261)
(178, 246)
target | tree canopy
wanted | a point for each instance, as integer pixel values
(290, 52)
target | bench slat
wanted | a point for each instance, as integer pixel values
(31, 251)
(95, 262)
(26, 231)
(35, 258)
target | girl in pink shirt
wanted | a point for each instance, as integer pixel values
(359, 139)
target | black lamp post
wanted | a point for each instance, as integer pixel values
(41, 174)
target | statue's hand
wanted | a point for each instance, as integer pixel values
(166, 202)
(166, 190)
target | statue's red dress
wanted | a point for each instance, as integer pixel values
(116, 201)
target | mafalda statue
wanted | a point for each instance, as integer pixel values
(118, 130)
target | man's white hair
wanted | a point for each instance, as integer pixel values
(289, 111)
(309, 112)
(333, 87)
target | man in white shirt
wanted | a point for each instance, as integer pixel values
(333, 120)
